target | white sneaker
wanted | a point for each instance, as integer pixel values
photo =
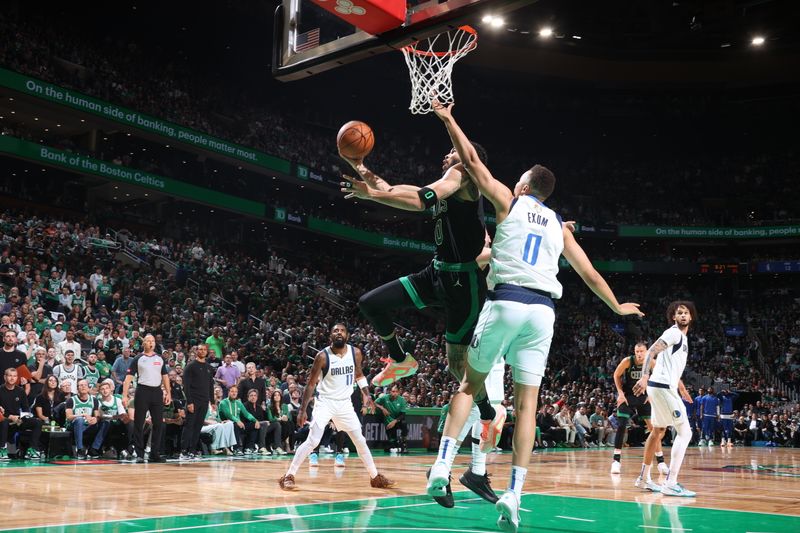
(438, 480)
(677, 490)
(326, 449)
(722, 443)
(647, 484)
(703, 442)
(663, 468)
(346, 451)
(616, 467)
(279, 451)
(508, 507)
(711, 444)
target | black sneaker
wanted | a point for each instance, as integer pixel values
(157, 459)
(446, 500)
(480, 485)
(82, 454)
(94, 452)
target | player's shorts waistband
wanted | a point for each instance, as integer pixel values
(726, 417)
(517, 293)
(657, 385)
(455, 267)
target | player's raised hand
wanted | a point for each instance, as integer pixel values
(355, 163)
(442, 111)
(354, 187)
(628, 308)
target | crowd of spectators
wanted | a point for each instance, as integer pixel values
(67, 298)
(741, 189)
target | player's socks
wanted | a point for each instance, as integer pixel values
(660, 457)
(485, 407)
(396, 350)
(517, 480)
(617, 454)
(448, 447)
(645, 473)
(478, 465)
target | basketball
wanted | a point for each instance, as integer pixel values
(355, 140)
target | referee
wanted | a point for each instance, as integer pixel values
(151, 371)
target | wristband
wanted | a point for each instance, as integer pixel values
(362, 382)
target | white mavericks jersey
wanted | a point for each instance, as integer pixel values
(337, 381)
(672, 361)
(527, 246)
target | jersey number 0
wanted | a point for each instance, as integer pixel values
(528, 255)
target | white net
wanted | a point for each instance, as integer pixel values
(430, 65)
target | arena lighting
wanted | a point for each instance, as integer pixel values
(578, 37)
(757, 40)
(493, 21)
(546, 32)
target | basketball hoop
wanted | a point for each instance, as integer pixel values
(430, 66)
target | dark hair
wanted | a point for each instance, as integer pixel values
(339, 324)
(673, 307)
(542, 181)
(276, 409)
(641, 343)
(483, 155)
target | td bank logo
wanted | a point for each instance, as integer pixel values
(346, 7)
(302, 172)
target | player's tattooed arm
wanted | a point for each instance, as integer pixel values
(319, 361)
(683, 392)
(641, 385)
(657, 347)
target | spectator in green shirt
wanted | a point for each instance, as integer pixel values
(103, 366)
(232, 408)
(215, 342)
(393, 406)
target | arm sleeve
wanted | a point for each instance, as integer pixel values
(222, 410)
(187, 381)
(247, 414)
(164, 366)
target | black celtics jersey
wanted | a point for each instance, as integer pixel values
(459, 229)
(632, 375)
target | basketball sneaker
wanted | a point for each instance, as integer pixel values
(185, 457)
(702, 442)
(287, 482)
(313, 460)
(508, 507)
(33, 454)
(446, 500)
(3, 454)
(730, 443)
(616, 467)
(478, 484)
(647, 484)
(438, 480)
(711, 444)
(394, 371)
(491, 430)
(676, 490)
(663, 468)
(381, 482)
(339, 461)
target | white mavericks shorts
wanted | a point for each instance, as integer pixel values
(340, 411)
(519, 332)
(667, 408)
(495, 390)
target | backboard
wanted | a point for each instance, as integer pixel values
(309, 39)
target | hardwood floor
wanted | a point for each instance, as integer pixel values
(742, 479)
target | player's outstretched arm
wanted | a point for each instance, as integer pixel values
(592, 278)
(497, 193)
(370, 178)
(408, 197)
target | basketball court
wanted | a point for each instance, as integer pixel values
(739, 490)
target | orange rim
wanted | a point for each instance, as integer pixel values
(412, 48)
